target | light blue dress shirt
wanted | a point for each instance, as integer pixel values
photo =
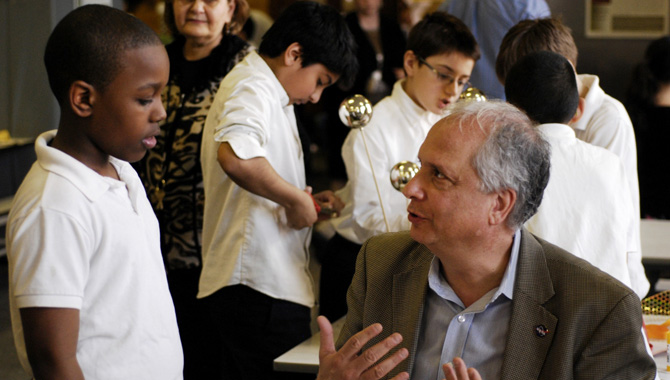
(476, 334)
(489, 21)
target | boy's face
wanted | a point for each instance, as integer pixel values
(435, 82)
(306, 84)
(125, 116)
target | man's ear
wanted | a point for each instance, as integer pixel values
(410, 63)
(81, 97)
(293, 54)
(579, 112)
(502, 206)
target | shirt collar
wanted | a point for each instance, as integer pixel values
(258, 63)
(556, 131)
(441, 287)
(592, 101)
(85, 179)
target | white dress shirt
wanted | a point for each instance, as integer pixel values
(606, 123)
(586, 208)
(395, 133)
(246, 238)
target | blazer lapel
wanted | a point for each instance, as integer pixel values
(532, 327)
(409, 293)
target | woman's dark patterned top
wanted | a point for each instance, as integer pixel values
(171, 172)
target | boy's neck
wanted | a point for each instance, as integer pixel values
(409, 88)
(71, 141)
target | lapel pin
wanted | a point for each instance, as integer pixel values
(541, 331)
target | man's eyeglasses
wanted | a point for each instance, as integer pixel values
(446, 79)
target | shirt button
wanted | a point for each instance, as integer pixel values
(461, 318)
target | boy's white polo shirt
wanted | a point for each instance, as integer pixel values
(79, 240)
(246, 238)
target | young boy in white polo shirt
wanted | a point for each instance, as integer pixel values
(88, 293)
(258, 209)
(439, 58)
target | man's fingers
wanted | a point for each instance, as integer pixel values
(474, 375)
(381, 369)
(449, 373)
(355, 344)
(327, 345)
(461, 369)
(458, 370)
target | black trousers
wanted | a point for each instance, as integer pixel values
(201, 348)
(338, 264)
(254, 329)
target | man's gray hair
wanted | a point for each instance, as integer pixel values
(513, 156)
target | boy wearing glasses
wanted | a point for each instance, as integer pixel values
(440, 55)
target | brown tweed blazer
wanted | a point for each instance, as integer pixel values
(593, 321)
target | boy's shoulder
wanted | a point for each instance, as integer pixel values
(252, 77)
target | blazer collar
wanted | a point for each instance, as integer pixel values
(532, 327)
(409, 294)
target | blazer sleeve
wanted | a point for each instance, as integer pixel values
(616, 349)
(355, 301)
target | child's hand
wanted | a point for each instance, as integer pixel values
(330, 203)
(301, 213)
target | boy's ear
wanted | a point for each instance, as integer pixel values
(293, 54)
(81, 97)
(410, 63)
(579, 112)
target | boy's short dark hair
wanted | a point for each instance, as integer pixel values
(534, 35)
(543, 84)
(87, 45)
(439, 33)
(323, 35)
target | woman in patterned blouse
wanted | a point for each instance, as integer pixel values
(204, 50)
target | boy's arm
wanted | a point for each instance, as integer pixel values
(51, 336)
(257, 176)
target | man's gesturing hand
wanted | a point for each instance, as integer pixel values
(349, 363)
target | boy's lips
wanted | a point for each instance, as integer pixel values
(149, 142)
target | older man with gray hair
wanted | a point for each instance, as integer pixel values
(468, 284)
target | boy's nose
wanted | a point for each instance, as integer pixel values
(160, 113)
(451, 89)
(316, 95)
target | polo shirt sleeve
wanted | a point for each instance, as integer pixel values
(49, 257)
(243, 121)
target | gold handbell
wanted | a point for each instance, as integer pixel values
(472, 94)
(355, 112)
(402, 173)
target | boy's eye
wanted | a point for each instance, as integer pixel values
(144, 102)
